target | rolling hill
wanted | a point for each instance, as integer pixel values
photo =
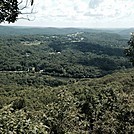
(18, 30)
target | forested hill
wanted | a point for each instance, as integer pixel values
(7, 30)
(18, 30)
(99, 105)
(65, 82)
(79, 55)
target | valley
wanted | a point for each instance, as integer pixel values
(65, 81)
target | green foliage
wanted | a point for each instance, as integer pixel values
(47, 100)
(30, 79)
(62, 115)
(107, 104)
(20, 122)
(18, 104)
(130, 51)
(64, 55)
(98, 105)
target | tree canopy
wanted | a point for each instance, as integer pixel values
(9, 10)
(130, 50)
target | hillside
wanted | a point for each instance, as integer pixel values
(65, 81)
(126, 32)
(81, 106)
(75, 55)
(6, 30)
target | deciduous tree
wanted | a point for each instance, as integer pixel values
(130, 50)
(10, 9)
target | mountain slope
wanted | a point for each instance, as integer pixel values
(99, 105)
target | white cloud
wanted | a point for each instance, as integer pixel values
(94, 3)
(111, 8)
(60, 8)
(83, 13)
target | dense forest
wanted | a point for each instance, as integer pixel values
(31, 103)
(76, 55)
(78, 82)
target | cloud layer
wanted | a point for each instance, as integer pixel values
(84, 13)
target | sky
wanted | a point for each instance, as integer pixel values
(79, 13)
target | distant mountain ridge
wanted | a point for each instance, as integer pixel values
(126, 32)
(17, 30)
(39, 30)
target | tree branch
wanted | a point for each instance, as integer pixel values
(27, 18)
(10, 9)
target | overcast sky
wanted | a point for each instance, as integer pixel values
(81, 13)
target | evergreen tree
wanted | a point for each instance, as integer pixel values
(130, 51)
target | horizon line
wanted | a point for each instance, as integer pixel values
(26, 26)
